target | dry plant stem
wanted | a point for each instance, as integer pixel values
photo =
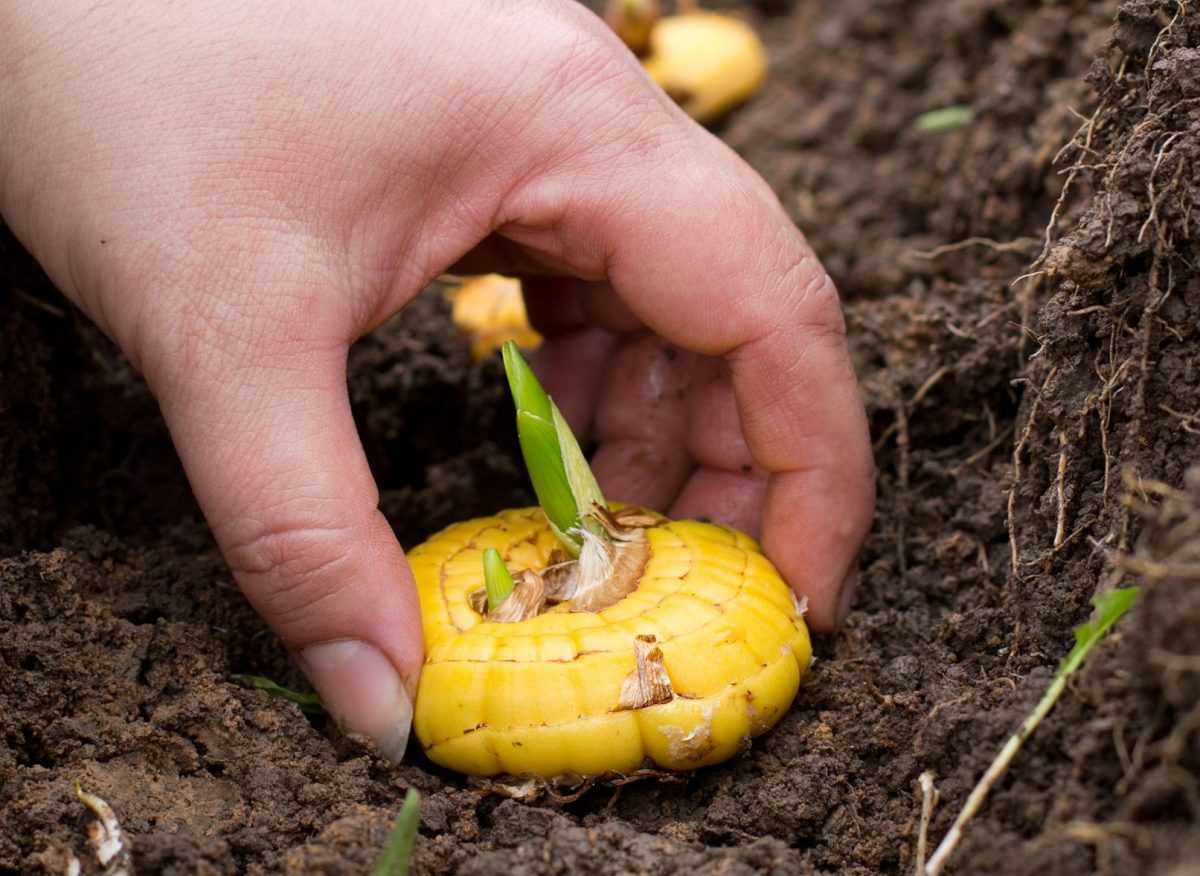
(1110, 606)
(929, 800)
(1001, 763)
(1137, 760)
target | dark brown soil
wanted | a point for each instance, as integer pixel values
(1033, 441)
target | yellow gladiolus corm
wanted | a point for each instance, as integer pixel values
(578, 639)
(707, 61)
(557, 693)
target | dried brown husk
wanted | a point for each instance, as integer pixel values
(527, 599)
(609, 568)
(648, 684)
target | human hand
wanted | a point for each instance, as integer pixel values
(235, 192)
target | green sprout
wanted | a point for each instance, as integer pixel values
(564, 483)
(1109, 608)
(398, 852)
(496, 580)
(308, 702)
(946, 118)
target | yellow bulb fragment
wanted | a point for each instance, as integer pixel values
(708, 62)
(548, 696)
(491, 310)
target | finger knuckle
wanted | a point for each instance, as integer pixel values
(811, 298)
(287, 569)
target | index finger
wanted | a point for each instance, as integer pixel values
(749, 288)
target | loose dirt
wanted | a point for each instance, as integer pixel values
(1033, 438)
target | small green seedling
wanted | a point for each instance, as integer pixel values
(1109, 609)
(945, 119)
(397, 854)
(308, 702)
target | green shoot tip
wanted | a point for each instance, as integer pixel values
(397, 854)
(496, 579)
(561, 477)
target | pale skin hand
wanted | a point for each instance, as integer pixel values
(235, 192)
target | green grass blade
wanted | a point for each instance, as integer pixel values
(496, 579)
(308, 702)
(1109, 609)
(398, 853)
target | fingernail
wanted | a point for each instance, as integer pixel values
(363, 691)
(846, 597)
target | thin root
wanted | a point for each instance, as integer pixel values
(1018, 245)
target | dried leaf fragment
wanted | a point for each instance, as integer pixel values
(648, 684)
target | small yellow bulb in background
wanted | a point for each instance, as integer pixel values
(633, 21)
(491, 310)
(707, 61)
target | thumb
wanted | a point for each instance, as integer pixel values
(273, 455)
